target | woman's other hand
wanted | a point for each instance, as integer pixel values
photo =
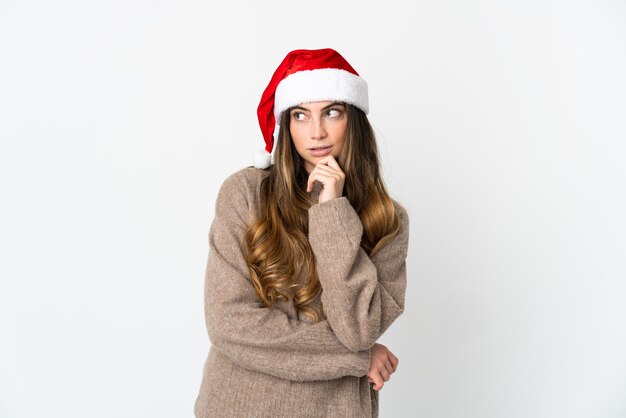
(327, 172)
(383, 364)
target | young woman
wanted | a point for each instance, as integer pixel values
(306, 266)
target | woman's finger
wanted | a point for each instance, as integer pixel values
(326, 169)
(332, 165)
(378, 382)
(317, 176)
(330, 171)
(330, 161)
(325, 176)
(389, 367)
(394, 361)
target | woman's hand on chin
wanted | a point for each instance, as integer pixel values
(327, 172)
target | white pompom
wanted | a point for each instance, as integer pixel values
(262, 159)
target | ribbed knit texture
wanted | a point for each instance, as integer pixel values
(273, 362)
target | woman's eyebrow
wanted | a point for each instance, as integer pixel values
(324, 108)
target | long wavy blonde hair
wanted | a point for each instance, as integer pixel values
(277, 246)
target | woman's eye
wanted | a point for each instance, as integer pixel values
(333, 113)
(297, 115)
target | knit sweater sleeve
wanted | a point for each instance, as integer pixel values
(362, 296)
(254, 336)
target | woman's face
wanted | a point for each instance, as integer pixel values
(318, 129)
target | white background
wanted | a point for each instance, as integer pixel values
(502, 131)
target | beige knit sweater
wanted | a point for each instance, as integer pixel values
(273, 362)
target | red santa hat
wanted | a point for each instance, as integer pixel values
(306, 76)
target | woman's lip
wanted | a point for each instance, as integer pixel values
(320, 152)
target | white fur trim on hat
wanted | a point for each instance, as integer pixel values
(320, 85)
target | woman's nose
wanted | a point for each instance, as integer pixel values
(317, 129)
